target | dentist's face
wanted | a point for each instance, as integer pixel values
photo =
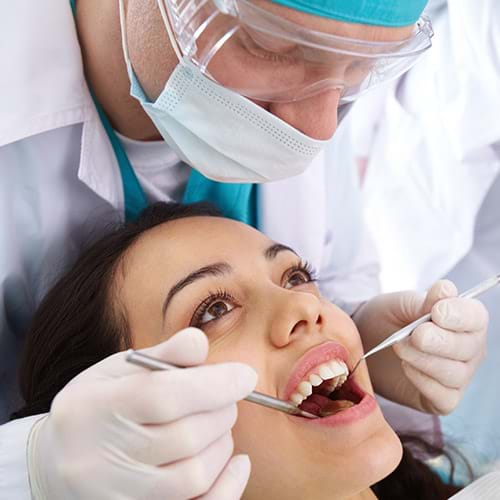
(257, 303)
(154, 60)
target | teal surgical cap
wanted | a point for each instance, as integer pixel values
(392, 13)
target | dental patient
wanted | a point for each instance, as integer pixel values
(258, 303)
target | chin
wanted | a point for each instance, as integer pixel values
(289, 463)
(368, 463)
(381, 457)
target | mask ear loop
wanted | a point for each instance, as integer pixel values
(123, 32)
(168, 26)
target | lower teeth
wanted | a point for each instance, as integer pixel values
(333, 407)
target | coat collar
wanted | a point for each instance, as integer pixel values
(46, 86)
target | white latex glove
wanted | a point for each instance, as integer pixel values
(118, 431)
(429, 370)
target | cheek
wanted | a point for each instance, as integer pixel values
(344, 330)
(341, 328)
(237, 346)
(279, 464)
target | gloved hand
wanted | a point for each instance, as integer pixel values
(118, 431)
(429, 370)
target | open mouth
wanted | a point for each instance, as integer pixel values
(327, 390)
(320, 384)
(324, 403)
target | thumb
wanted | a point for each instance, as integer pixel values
(188, 347)
(442, 289)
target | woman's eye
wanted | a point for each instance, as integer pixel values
(297, 278)
(215, 310)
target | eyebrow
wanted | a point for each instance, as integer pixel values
(275, 249)
(217, 269)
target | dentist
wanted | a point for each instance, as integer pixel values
(151, 100)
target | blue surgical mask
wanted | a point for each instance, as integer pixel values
(220, 133)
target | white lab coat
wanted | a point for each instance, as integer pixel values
(432, 189)
(60, 186)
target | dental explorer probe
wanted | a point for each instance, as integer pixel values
(140, 359)
(408, 330)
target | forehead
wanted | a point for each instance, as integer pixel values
(146, 18)
(195, 241)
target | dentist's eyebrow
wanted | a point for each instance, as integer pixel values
(218, 269)
(271, 252)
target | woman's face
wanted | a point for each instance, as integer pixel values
(256, 302)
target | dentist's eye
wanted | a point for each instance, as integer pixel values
(214, 307)
(299, 275)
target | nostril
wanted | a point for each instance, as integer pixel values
(303, 324)
(298, 325)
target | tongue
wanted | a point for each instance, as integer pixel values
(314, 403)
(323, 406)
(333, 407)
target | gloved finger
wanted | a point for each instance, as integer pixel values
(184, 438)
(440, 290)
(434, 397)
(461, 315)
(195, 476)
(188, 347)
(449, 373)
(160, 397)
(405, 306)
(432, 339)
(231, 484)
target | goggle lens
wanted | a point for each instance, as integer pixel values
(263, 59)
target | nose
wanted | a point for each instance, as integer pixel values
(299, 313)
(315, 116)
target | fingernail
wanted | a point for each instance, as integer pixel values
(443, 309)
(240, 466)
(448, 289)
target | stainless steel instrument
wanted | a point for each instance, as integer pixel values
(140, 359)
(408, 330)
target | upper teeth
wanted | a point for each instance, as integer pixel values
(335, 371)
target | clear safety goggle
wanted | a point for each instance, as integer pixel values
(266, 57)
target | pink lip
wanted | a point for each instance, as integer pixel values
(311, 359)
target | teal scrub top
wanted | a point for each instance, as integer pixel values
(236, 201)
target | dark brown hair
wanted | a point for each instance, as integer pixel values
(76, 326)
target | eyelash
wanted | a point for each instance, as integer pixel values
(306, 268)
(222, 295)
(206, 303)
(254, 49)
